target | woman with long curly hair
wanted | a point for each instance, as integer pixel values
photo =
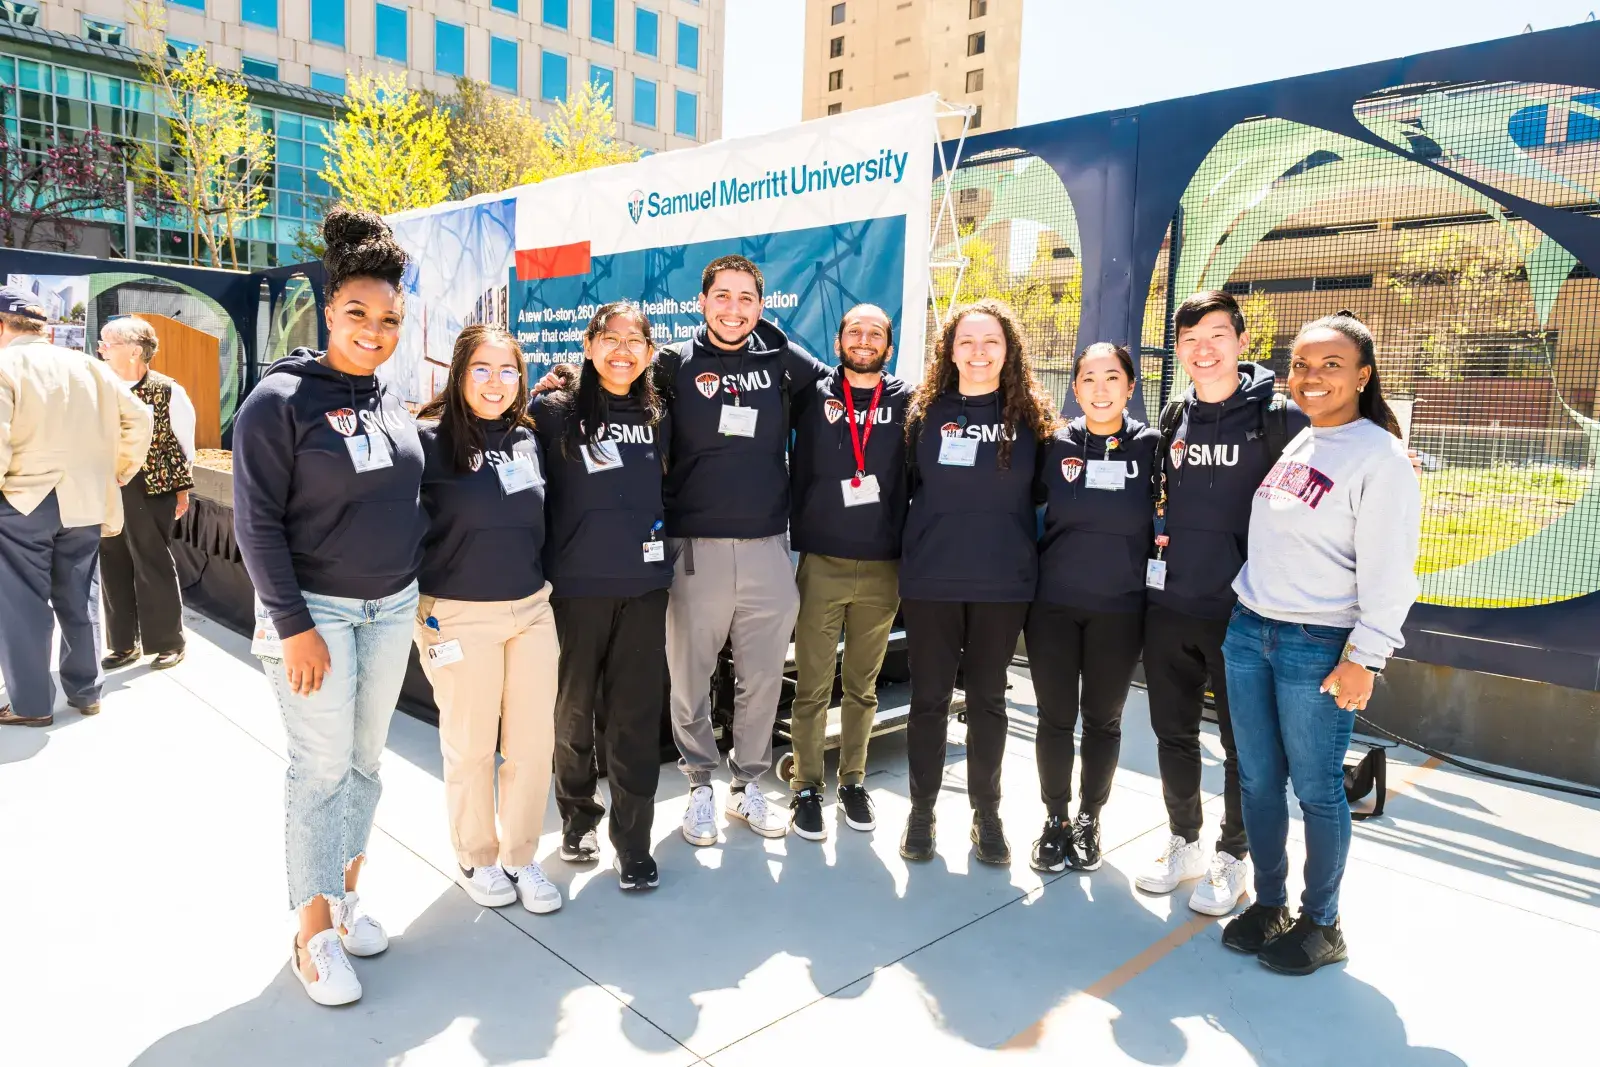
(968, 559)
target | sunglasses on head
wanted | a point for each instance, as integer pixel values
(508, 375)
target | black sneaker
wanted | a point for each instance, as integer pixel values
(1306, 947)
(805, 816)
(1255, 926)
(120, 659)
(580, 847)
(990, 837)
(637, 870)
(1086, 838)
(917, 842)
(1053, 851)
(857, 805)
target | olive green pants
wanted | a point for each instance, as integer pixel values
(860, 598)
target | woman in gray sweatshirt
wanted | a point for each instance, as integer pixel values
(1330, 578)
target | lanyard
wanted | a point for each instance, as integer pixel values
(859, 438)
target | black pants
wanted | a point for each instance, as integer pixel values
(1068, 646)
(979, 640)
(138, 580)
(612, 680)
(1180, 653)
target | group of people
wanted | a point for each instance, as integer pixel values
(96, 465)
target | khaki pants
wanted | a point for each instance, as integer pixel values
(504, 686)
(859, 597)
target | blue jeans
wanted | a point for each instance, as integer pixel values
(336, 736)
(1287, 730)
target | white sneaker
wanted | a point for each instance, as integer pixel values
(336, 981)
(1178, 861)
(539, 895)
(487, 885)
(1219, 891)
(748, 804)
(361, 934)
(700, 818)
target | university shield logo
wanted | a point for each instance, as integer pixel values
(1177, 452)
(707, 384)
(343, 420)
(636, 205)
(1071, 468)
(950, 429)
(476, 462)
(833, 410)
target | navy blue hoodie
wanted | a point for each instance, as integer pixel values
(1218, 457)
(824, 457)
(1092, 556)
(483, 544)
(723, 485)
(970, 530)
(304, 519)
(600, 521)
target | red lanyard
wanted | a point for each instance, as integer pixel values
(859, 438)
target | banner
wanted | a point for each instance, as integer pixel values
(835, 212)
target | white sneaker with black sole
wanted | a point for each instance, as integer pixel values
(1220, 890)
(1178, 862)
(539, 895)
(750, 806)
(700, 817)
(336, 982)
(488, 885)
(360, 933)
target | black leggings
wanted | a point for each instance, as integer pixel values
(1067, 646)
(979, 640)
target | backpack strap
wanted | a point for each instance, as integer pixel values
(1167, 427)
(1275, 425)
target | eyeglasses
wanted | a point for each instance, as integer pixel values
(508, 375)
(614, 341)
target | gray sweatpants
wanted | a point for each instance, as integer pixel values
(722, 587)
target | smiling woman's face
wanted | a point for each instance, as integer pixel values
(1103, 389)
(491, 384)
(1326, 377)
(978, 349)
(364, 320)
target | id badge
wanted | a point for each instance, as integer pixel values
(958, 451)
(865, 493)
(369, 452)
(601, 456)
(737, 421)
(445, 653)
(655, 551)
(1106, 474)
(1155, 573)
(264, 641)
(517, 475)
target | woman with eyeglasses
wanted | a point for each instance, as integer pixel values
(484, 629)
(605, 438)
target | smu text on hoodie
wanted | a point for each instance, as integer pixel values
(970, 530)
(1218, 457)
(725, 484)
(304, 518)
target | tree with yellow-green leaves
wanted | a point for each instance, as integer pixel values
(1048, 307)
(1261, 321)
(386, 153)
(212, 171)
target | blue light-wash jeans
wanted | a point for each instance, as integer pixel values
(1287, 730)
(336, 736)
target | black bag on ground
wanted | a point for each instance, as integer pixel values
(1364, 773)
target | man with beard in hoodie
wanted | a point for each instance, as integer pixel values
(729, 392)
(1217, 442)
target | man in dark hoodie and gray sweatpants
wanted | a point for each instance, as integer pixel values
(1212, 458)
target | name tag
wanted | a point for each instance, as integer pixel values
(1106, 474)
(445, 653)
(517, 475)
(737, 421)
(655, 551)
(958, 451)
(264, 642)
(369, 452)
(865, 493)
(1155, 573)
(602, 456)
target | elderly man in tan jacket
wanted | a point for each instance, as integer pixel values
(70, 436)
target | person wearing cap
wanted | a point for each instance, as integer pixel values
(138, 579)
(70, 437)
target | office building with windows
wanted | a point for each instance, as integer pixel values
(70, 64)
(865, 52)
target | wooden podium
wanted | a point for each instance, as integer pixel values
(190, 357)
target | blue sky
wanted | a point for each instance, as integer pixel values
(1080, 57)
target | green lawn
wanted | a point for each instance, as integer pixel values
(1472, 512)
